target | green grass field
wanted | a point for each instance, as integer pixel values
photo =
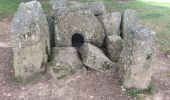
(154, 14)
(8, 7)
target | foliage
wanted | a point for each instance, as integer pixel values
(150, 90)
(133, 92)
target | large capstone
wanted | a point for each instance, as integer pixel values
(83, 22)
(111, 23)
(137, 59)
(65, 62)
(129, 22)
(30, 38)
(97, 8)
(95, 59)
(58, 4)
(114, 47)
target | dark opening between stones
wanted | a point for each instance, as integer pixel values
(77, 40)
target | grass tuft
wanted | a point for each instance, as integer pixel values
(133, 92)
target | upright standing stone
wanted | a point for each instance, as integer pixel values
(129, 21)
(114, 47)
(137, 59)
(137, 56)
(30, 38)
(111, 22)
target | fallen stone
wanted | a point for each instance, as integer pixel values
(114, 47)
(65, 62)
(30, 38)
(94, 58)
(111, 23)
(137, 57)
(69, 22)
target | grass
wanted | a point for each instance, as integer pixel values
(154, 14)
(136, 92)
(8, 7)
(133, 92)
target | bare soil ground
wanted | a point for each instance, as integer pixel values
(91, 86)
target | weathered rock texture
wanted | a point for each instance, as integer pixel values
(30, 38)
(137, 55)
(137, 58)
(130, 21)
(57, 4)
(114, 47)
(70, 22)
(94, 58)
(65, 61)
(87, 27)
(97, 8)
(111, 22)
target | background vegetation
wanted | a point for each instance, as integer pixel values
(154, 14)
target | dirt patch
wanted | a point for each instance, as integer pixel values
(90, 86)
(5, 26)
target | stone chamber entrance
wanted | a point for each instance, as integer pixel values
(77, 40)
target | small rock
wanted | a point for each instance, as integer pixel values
(9, 95)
